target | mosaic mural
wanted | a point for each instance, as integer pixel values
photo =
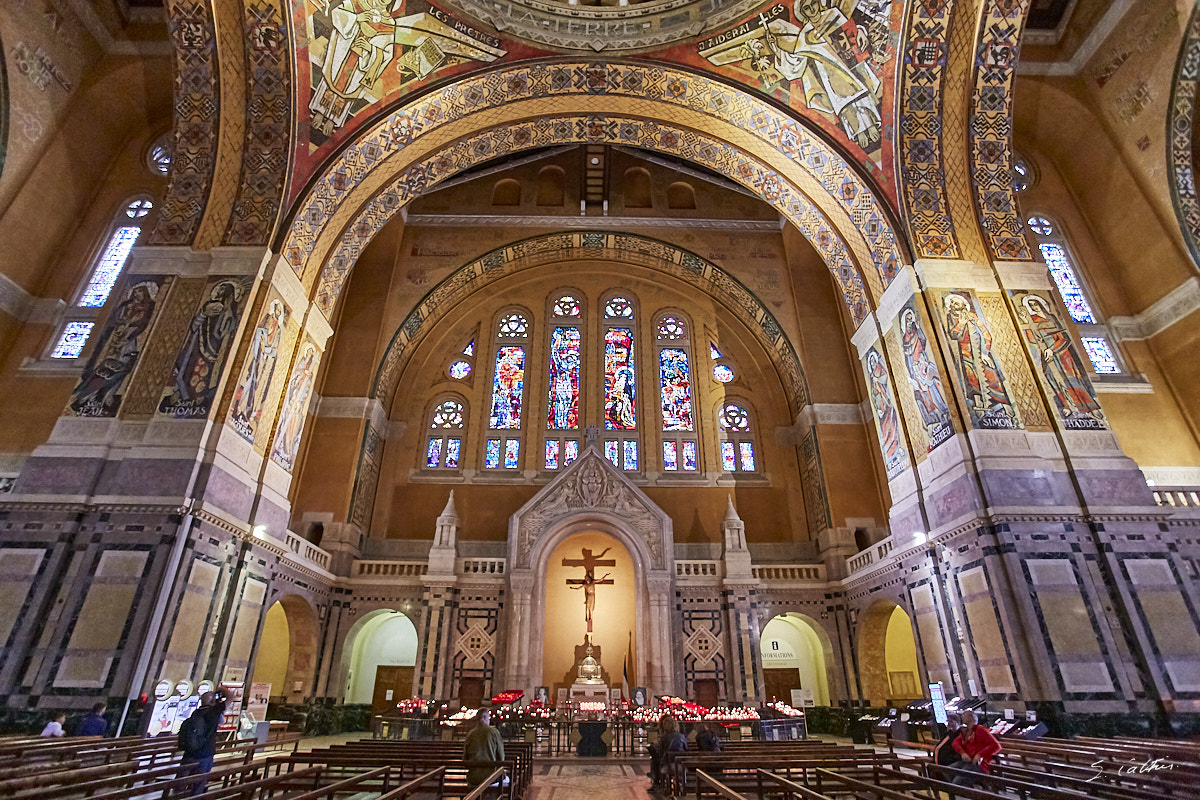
(1054, 353)
(201, 359)
(924, 376)
(254, 387)
(102, 385)
(982, 379)
(295, 406)
(1181, 135)
(887, 417)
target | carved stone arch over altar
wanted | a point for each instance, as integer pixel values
(591, 495)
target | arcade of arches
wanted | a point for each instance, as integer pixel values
(839, 347)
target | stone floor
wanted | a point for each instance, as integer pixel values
(600, 779)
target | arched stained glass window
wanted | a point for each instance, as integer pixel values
(566, 306)
(563, 401)
(675, 389)
(737, 440)
(620, 384)
(443, 445)
(508, 392)
(1059, 260)
(618, 308)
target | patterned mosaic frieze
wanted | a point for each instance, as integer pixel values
(380, 147)
(922, 174)
(629, 248)
(990, 130)
(268, 126)
(1181, 135)
(197, 113)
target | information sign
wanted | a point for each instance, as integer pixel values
(938, 695)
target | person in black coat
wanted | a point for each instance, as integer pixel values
(198, 738)
(944, 754)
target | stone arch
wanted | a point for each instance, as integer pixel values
(550, 186)
(830, 662)
(681, 195)
(290, 621)
(506, 192)
(529, 105)
(1181, 131)
(349, 682)
(635, 188)
(877, 626)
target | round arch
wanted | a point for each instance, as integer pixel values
(887, 654)
(367, 646)
(813, 660)
(287, 648)
(541, 103)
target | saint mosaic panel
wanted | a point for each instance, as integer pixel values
(981, 376)
(254, 396)
(887, 417)
(924, 376)
(295, 405)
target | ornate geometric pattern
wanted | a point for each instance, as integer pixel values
(475, 643)
(1010, 352)
(812, 476)
(922, 171)
(197, 111)
(991, 128)
(816, 161)
(366, 475)
(703, 652)
(165, 341)
(268, 126)
(1180, 135)
(628, 248)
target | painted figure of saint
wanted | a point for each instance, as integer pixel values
(922, 372)
(886, 417)
(1051, 344)
(198, 367)
(260, 368)
(508, 387)
(99, 389)
(295, 409)
(676, 390)
(983, 380)
(564, 379)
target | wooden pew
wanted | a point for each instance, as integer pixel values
(739, 771)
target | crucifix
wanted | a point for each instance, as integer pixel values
(589, 581)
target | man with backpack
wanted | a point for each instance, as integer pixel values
(198, 739)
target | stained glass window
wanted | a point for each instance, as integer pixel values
(629, 450)
(671, 328)
(1041, 226)
(620, 410)
(552, 454)
(112, 261)
(442, 449)
(73, 338)
(1022, 174)
(618, 308)
(746, 450)
(737, 445)
(1068, 286)
(670, 456)
(572, 451)
(728, 457)
(514, 326)
(491, 457)
(676, 385)
(566, 306)
(722, 373)
(734, 418)
(433, 456)
(1103, 360)
(512, 449)
(563, 403)
(159, 157)
(453, 448)
(610, 451)
(508, 385)
(713, 352)
(448, 415)
(460, 370)
(689, 456)
(469, 350)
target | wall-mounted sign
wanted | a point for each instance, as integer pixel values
(938, 695)
(162, 689)
(184, 688)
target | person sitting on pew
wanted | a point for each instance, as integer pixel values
(977, 747)
(54, 727)
(483, 746)
(707, 739)
(944, 754)
(670, 741)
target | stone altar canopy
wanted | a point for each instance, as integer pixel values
(592, 495)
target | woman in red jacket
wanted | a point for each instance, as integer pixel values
(976, 746)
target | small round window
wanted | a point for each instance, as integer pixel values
(460, 370)
(722, 373)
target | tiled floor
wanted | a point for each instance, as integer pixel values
(593, 780)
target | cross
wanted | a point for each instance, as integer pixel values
(589, 581)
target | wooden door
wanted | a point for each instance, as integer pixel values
(392, 684)
(707, 691)
(779, 682)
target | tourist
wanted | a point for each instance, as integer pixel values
(484, 747)
(976, 746)
(670, 741)
(944, 754)
(198, 738)
(95, 723)
(707, 739)
(55, 726)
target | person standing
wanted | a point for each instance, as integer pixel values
(54, 727)
(95, 723)
(484, 747)
(198, 739)
(977, 747)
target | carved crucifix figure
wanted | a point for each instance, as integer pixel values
(589, 581)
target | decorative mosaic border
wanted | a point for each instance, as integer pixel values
(375, 147)
(197, 115)
(3, 108)
(922, 171)
(625, 247)
(990, 131)
(712, 153)
(265, 152)
(1180, 135)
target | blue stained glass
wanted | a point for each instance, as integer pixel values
(469, 350)
(676, 381)
(1068, 286)
(433, 456)
(564, 380)
(631, 461)
(110, 266)
(491, 459)
(460, 370)
(620, 413)
(670, 456)
(507, 388)
(74, 337)
(512, 449)
(566, 306)
(722, 373)
(610, 451)
(728, 457)
(618, 307)
(747, 453)
(713, 352)
(1103, 360)
(572, 451)
(453, 447)
(552, 454)
(689, 456)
